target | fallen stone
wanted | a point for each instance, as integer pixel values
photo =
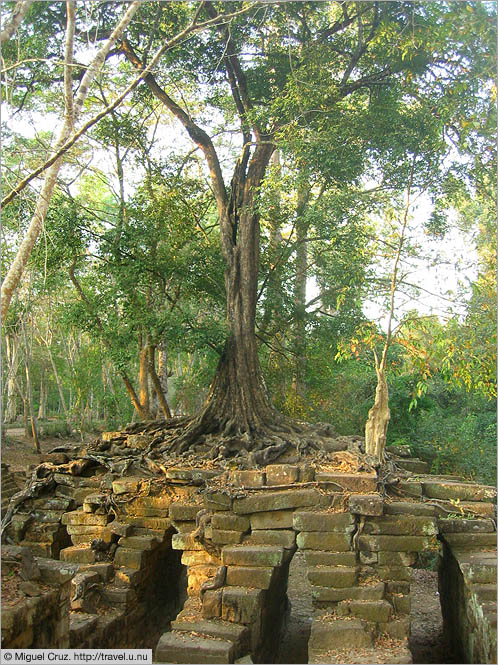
(29, 588)
(78, 554)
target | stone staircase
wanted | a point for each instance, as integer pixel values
(9, 487)
(221, 625)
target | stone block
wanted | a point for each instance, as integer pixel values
(409, 525)
(120, 528)
(366, 504)
(80, 518)
(318, 540)
(401, 603)
(471, 541)
(369, 610)
(197, 575)
(197, 558)
(276, 500)
(77, 554)
(334, 595)
(283, 537)
(273, 519)
(439, 489)
(479, 508)
(409, 508)
(185, 541)
(151, 506)
(322, 558)
(241, 605)
(214, 500)
(322, 521)
(56, 572)
(281, 474)
(247, 576)
(448, 525)
(126, 485)
(415, 466)
(484, 592)
(369, 558)
(396, 629)
(180, 647)
(229, 522)
(211, 603)
(225, 630)
(183, 511)
(339, 634)
(155, 523)
(252, 555)
(105, 571)
(337, 576)
(130, 576)
(77, 481)
(222, 537)
(353, 482)
(176, 473)
(397, 558)
(139, 542)
(477, 567)
(410, 487)
(130, 558)
(395, 543)
(250, 478)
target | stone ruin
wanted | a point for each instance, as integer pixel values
(195, 563)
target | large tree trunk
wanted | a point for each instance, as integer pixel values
(300, 280)
(378, 418)
(12, 356)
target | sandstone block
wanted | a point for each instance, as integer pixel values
(224, 630)
(252, 555)
(222, 537)
(250, 478)
(125, 485)
(331, 594)
(339, 634)
(197, 558)
(369, 558)
(397, 558)
(197, 575)
(105, 571)
(370, 610)
(273, 519)
(155, 523)
(179, 647)
(402, 604)
(366, 504)
(283, 537)
(280, 500)
(185, 541)
(409, 525)
(241, 605)
(395, 543)
(396, 629)
(410, 487)
(318, 540)
(139, 542)
(438, 489)
(477, 567)
(247, 576)
(217, 501)
(321, 521)
(321, 558)
(338, 577)
(393, 573)
(211, 603)
(354, 482)
(183, 511)
(130, 558)
(409, 508)
(78, 554)
(77, 494)
(229, 522)
(471, 541)
(79, 517)
(281, 474)
(448, 525)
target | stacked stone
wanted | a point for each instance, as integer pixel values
(42, 619)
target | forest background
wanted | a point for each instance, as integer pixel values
(370, 131)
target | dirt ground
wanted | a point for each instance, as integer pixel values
(426, 643)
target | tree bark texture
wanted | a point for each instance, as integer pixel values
(15, 20)
(378, 418)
